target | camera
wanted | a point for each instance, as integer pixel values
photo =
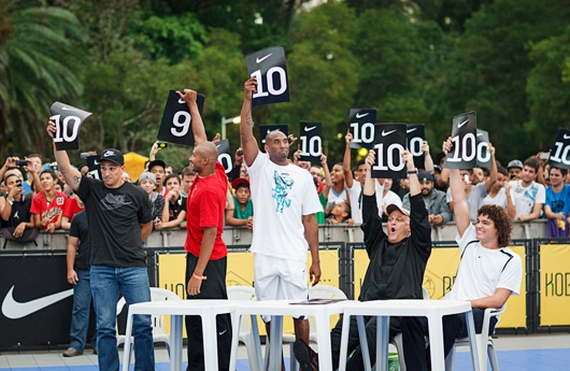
(22, 163)
(162, 145)
(19, 183)
(84, 155)
(544, 155)
(240, 152)
(53, 167)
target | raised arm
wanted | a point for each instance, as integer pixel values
(428, 161)
(369, 185)
(72, 175)
(408, 158)
(198, 130)
(460, 209)
(493, 171)
(346, 162)
(328, 181)
(248, 141)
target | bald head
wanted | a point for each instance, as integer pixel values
(277, 146)
(209, 150)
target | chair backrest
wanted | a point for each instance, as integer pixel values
(240, 292)
(326, 292)
(425, 293)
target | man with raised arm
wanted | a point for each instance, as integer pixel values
(284, 203)
(206, 258)
(119, 219)
(488, 274)
(397, 264)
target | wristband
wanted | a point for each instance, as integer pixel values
(10, 202)
(201, 278)
(415, 171)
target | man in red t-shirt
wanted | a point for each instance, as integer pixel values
(206, 258)
(47, 206)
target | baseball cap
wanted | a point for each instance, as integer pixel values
(113, 155)
(236, 183)
(425, 176)
(147, 175)
(393, 207)
(515, 163)
(156, 163)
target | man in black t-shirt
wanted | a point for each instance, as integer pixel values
(119, 218)
(78, 275)
(15, 210)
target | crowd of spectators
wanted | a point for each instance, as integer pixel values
(34, 195)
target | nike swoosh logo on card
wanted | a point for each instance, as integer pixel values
(462, 123)
(16, 310)
(410, 130)
(310, 128)
(361, 115)
(566, 136)
(95, 162)
(181, 101)
(385, 133)
(259, 60)
(65, 108)
(479, 134)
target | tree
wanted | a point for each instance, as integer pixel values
(40, 62)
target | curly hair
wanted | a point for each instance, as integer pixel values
(502, 222)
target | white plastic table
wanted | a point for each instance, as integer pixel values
(434, 310)
(277, 309)
(207, 309)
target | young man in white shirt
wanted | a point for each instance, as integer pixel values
(528, 195)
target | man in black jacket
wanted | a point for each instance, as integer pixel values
(396, 269)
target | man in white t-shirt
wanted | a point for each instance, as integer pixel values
(528, 195)
(489, 273)
(284, 203)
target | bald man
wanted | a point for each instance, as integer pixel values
(284, 204)
(206, 259)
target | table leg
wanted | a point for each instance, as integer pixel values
(128, 342)
(210, 340)
(324, 341)
(344, 342)
(275, 342)
(473, 342)
(436, 342)
(382, 340)
(236, 322)
(255, 330)
(363, 343)
(175, 343)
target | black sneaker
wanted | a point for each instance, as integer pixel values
(308, 359)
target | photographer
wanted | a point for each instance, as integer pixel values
(12, 166)
(15, 209)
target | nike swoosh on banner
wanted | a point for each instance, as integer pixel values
(410, 130)
(12, 309)
(259, 60)
(95, 162)
(462, 123)
(221, 333)
(385, 133)
(361, 115)
(65, 108)
(479, 134)
(310, 128)
(566, 136)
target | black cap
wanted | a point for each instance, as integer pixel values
(156, 163)
(113, 155)
(425, 176)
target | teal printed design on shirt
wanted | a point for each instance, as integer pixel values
(280, 191)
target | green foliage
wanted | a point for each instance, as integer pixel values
(175, 38)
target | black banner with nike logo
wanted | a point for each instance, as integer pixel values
(310, 141)
(463, 154)
(68, 120)
(483, 153)
(36, 301)
(176, 124)
(560, 152)
(225, 155)
(415, 136)
(362, 121)
(389, 144)
(266, 129)
(93, 165)
(268, 66)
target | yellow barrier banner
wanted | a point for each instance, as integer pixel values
(439, 277)
(172, 270)
(554, 285)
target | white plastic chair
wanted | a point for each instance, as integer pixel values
(245, 330)
(485, 344)
(158, 333)
(315, 292)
